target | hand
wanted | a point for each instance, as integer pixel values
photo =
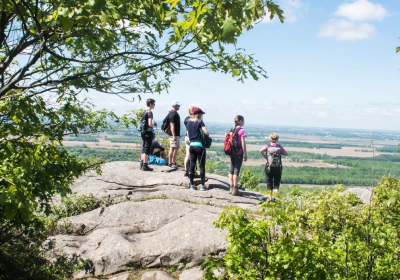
(155, 124)
(174, 138)
(245, 158)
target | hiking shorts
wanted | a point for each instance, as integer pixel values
(273, 177)
(174, 144)
(236, 164)
(147, 139)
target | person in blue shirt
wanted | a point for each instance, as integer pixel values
(196, 150)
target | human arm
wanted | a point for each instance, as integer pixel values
(263, 152)
(244, 148)
(150, 120)
(150, 123)
(283, 151)
(172, 126)
(205, 130)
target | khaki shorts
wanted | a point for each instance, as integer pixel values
(174, 144)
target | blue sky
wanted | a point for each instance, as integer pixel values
(331, 64)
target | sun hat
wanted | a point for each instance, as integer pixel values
(198, 111)
(176, 103)
(274, 137)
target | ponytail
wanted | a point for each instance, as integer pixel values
(237, 120)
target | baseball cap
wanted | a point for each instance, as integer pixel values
(198, 111)
(176, 103)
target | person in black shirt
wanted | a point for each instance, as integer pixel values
(187, 142)
(174, 140)
(197, 151)
(147, 135)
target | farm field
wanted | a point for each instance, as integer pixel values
(344, 151)
(315, 161)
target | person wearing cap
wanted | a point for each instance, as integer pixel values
(187, 142)
(273, 174)
(196, 150)
(175, 137)
(147, 135)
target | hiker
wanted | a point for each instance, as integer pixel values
(147, 134)
(196, 150)
(175, 136)
(273, 167)
(238, 155)
(156, 145)
(187, 143)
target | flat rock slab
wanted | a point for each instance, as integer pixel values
(156, 275)
(156, 221)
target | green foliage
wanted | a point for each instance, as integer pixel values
(388, 149)
(330, 235)
(122, 47)
(34, 164)
(249, 180)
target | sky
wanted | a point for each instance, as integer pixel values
(330, 64)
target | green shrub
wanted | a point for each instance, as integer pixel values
(329, 235)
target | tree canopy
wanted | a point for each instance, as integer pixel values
(50, 51)
(121, 46)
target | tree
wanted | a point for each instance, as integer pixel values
(50, 51)
(330, 235)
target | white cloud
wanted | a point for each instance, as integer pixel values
(292, 11)
(347, 30)
(362, 10)
(248, 102)
(350, 23)
(320, 101)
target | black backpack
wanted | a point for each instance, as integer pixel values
(166, 125)
(205, 139)
(143, 123)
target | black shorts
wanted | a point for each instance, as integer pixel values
(273, 177)
(147, 139)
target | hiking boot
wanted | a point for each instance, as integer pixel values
(203, 188)
(146, 168)
(235, 191)
(175, 165)
(230, 189)
(193, 187)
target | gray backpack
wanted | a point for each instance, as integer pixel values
(274, 157)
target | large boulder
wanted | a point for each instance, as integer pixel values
(155, 220)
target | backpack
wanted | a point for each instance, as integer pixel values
(205, 139)
(165, 125)
(143, 123)
(231, 143)
(274, 157)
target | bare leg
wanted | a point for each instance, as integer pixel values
(145, 158)
(235, 180)
(162, 154)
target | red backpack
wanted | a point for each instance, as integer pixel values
(231, 143)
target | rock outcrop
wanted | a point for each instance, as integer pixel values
(155, 221)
